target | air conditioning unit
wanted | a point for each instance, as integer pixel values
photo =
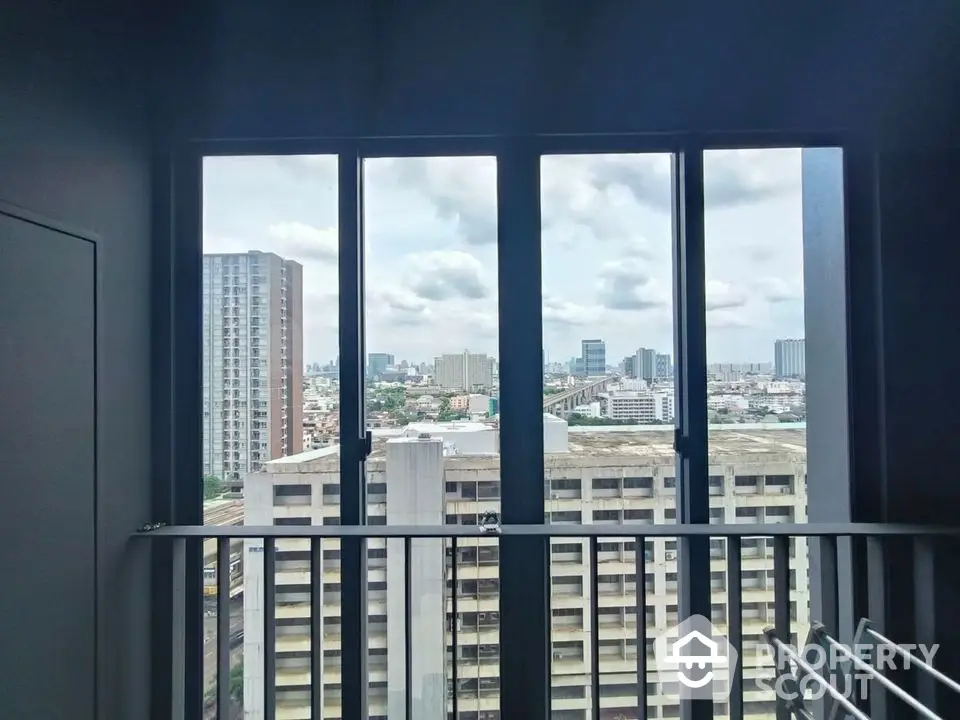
(671, 556)
(481, 616)
(784, 490)
(557, 655)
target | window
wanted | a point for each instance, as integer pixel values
(431, 316)
(282, 521)
(292, 491)
(756, 354)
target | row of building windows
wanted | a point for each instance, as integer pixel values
(490, 489)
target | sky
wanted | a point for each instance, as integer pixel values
(431, 255)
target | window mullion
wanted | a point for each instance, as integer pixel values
(524, 572)
(352, 432)
(693, 497)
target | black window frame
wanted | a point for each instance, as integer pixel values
(525, 617)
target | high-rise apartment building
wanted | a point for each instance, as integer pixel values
(252, 362)
(377, 363)
(464, 371)
(789, 358)
(431, 474)
(594, 356)
(646, 364)
(664, 367)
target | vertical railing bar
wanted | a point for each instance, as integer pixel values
(453, 624)
(178, 585)
(223, 628)
(781, 607)
(316, 628)
(641, 570)
(269, 629)
(876, 609)
(735, 624)
(408, 629)
(925, 613)
(826, 549)
(595, 628)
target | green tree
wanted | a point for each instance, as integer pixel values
(446, 414)
(236, 682)
(212, 487)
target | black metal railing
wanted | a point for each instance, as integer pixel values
(829, 542)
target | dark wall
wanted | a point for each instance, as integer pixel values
(902, 223)
(246, 69)
(74, 147)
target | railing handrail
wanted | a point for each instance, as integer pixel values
(810, 530)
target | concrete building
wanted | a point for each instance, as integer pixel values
(664, 367)
(645, 364)
(252, 362)
(472, 404)
(464, 371)
(594, 356)
(426, 475)
(377, 363)
(643, 407)
(789, 358)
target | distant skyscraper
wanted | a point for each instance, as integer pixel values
(252, 362)
(630, 366)
(789, 358)
(664, 367)
(377, 363)
(594, 355)
(646, 364)
(464, 371)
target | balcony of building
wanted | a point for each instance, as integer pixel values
(305, 654)
(111, 111)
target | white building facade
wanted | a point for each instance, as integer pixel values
(464, 371)
(610, 476)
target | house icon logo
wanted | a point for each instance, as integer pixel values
(694, 660)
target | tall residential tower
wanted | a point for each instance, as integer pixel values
(252, 362)
(789, 358)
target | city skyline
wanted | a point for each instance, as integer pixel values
(431, 249)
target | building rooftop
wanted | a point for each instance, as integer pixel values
(605, 441)
(223, 512)
(657, 440)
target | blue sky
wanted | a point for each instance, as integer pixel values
(430, 226)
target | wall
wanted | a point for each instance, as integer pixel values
(73, 147)
(919, 255)
(245, 69)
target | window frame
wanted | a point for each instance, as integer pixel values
(525, 615)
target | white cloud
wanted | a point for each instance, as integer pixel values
(778, 290)
(607, 229)
(442, 275)
(298, 240)
(628, 285)
(557, 311)
(723, 296)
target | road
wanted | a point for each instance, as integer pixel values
(210, 644)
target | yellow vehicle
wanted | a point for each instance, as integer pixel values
(209, 581)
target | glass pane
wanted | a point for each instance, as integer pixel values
(270, 390)
(608, 414)
(430, 233)
(756, 375)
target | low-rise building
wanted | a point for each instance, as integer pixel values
(450, 473)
